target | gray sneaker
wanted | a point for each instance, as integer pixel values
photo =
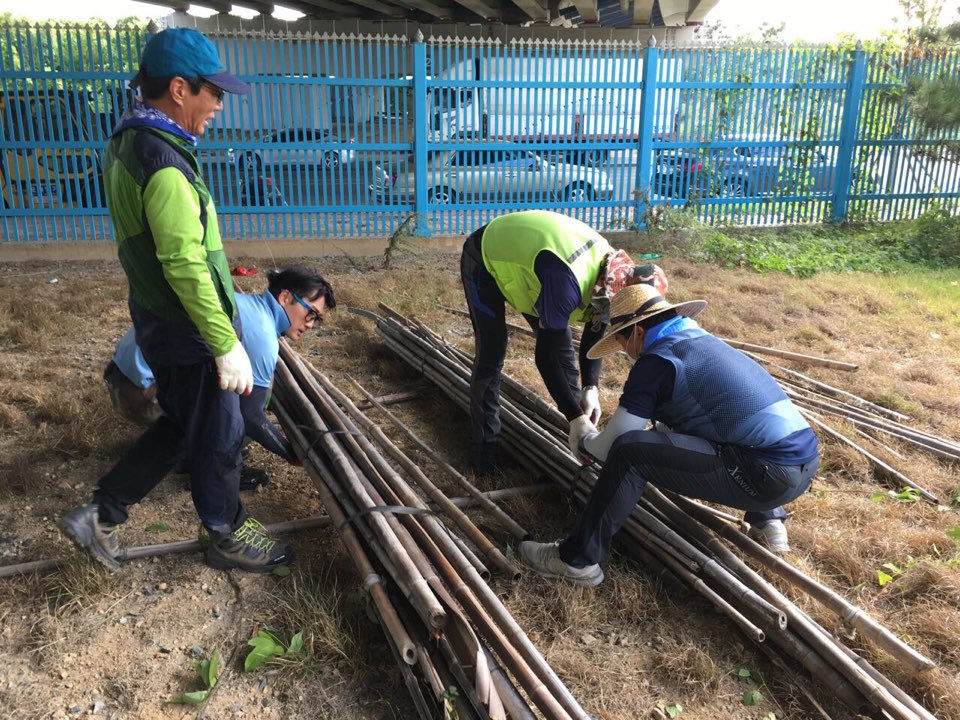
(82, 525)
(248, 548)
(545, 559)
(772, 534)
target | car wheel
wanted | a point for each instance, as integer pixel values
(441, 196)
(579, 192)
(735, 187)
(331, 160)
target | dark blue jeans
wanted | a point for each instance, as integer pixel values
(686, 465)
(202, 424)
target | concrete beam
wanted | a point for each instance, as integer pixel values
(534, 10)
(642, 12)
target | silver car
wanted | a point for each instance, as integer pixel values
(473, 175)
(290, 169)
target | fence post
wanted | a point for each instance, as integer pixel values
(421, 121)
(645, 142)
(849, 127)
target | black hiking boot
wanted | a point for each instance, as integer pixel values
(252, 478)
(248, 548)
(82, 525)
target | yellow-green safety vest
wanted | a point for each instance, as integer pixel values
(510, 246)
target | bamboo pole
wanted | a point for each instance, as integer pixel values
(171, 548)
(824, 644)
(432, 491)
(406, 496)
(850, 614)
(810, 359)
(391, 399)
(508, 522)
(884, 469)
(409, 578)
(925, 441)
(794, 645)
(833, 391)
(372, 582)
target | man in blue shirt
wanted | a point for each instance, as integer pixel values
(295, 301)
(734, 437)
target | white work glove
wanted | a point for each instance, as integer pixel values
(580, 426)
(235, 372)
(590, 403)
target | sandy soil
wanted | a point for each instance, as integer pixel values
(79, 641)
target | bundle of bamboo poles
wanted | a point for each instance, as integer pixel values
(686, 543)
(427, 586)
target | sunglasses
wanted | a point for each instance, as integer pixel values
(312, 315)
(218, 93)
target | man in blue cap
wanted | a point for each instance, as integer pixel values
(183, 308)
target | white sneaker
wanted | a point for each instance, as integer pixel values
(772, 534)
(545, 559)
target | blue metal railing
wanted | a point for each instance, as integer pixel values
(348, 136)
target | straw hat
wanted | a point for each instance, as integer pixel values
(633, 304)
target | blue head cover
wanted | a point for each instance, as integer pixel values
(188, 54)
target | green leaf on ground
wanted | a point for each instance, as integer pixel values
(190, 698)
(296, 644)
(157, 527)
(264, 647)
(751, 697)
(674, 709)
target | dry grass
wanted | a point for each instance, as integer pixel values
(623, 648)
(311, 604)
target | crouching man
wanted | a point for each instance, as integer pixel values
(735, 438)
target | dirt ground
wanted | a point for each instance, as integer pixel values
(78, 641)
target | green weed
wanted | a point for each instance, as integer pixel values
(208, 670)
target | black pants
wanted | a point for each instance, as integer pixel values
(487, 307)
(202, 424)
(688, 466)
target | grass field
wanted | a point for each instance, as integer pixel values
(79, 638)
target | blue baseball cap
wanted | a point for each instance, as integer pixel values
(188, 54)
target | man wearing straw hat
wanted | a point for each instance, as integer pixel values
(734, 439)
(556, 271)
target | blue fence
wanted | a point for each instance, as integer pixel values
(359, 136)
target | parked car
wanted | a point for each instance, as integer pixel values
(474, 175)
(749, 170)
(291, 170)
(47, 161)
(675, 170)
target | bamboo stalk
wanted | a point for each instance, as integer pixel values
(171, 548)
(409, 578)
(372, 582)
(410, 498)
(391, 399)
(485, 502)
(812, 633)
(846, 611)
(864, 434)
(835, 392)
(811, 359)
(886, 470)
(537, 445)
(928, 443)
